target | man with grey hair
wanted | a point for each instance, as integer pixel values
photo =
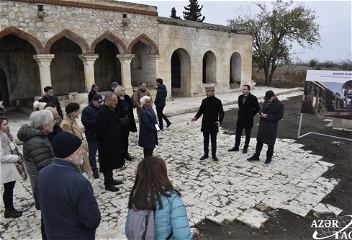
(109, 135)
(37, 149)
(213, 114)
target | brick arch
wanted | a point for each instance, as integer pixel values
(146, 40)
(108, 35)
(70, 35)
(38, 47)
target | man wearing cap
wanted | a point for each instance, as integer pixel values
(93, 92)
(89, 116)
(65, 197)
(108, 132)
(114, 85)
(213, 114)
(270, 114)
(248, 106)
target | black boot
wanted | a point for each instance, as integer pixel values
(12, 213)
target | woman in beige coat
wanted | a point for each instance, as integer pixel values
(69, 124)
(10, 156)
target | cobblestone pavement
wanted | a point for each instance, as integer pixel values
(230, 189)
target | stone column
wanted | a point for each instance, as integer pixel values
(125, 60)
(88, 63)
(44, 61)
(154, 68)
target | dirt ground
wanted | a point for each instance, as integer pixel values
(284, 224)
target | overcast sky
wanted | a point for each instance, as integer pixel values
(334, 19)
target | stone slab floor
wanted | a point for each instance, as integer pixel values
(230, 189)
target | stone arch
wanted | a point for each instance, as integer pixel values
(180, 72)
(112, 38)
(209, 67)
(67, 68)
(70, 35)
(25, 36)
(153, 48)
(235, 70)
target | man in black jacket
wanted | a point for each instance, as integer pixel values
(89, 116)
(213, 114)
(109, 135)
(271, 113)
(248, 106)
(49, 97)
(160, 100)
(94, 90)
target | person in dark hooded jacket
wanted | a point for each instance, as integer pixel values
(160, 100)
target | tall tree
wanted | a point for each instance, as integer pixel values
(193, 11)
(274, 30)
(173, 13)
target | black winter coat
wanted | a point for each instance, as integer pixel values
(108, 134)
(37, 150)
(212, 111)
(88, 118)
(66, 201)
(268, 126)
(247, 111)
(55, 100)
(91, 95)
(161, 95)
(122, 112)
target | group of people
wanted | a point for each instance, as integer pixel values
(61, 162)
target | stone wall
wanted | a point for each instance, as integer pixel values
(85, 24)
(191, 41)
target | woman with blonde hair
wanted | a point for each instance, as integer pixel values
(125, 112)
(12, 167)
(70, 125)
(152, 190)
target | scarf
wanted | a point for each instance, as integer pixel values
(8, 138)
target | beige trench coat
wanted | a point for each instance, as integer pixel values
(68, 125)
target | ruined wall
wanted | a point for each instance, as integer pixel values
(192, 40)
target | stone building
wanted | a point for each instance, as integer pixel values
(70, 45)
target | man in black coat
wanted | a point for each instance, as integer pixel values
(64, 195)
(271, 113)
(160, 100)
(49, 97)
(94, 90)
(108, 134)
(89, 116)
(248, 106)
(213, 115)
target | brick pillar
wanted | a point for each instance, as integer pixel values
(44, 61)
(125, 60)
(88, 63)
(154, 68)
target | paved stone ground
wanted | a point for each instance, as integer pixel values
(230, 189)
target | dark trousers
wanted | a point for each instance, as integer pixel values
(213, 143)
(92, 149)
(161, 116)
(125, 134)
(258, 149)
(8, 194)
(148, 152)
(44, 237)
(108, 178)
(239, 134)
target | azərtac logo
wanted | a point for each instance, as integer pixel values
(333, 228)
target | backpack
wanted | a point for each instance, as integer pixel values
(140, 224)
(139, 96)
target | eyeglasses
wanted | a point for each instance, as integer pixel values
(113, 100)
(149, 101)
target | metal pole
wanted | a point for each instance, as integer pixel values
(299, 126)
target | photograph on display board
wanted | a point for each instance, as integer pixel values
(328, 93)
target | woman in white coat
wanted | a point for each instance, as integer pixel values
(12, 168)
